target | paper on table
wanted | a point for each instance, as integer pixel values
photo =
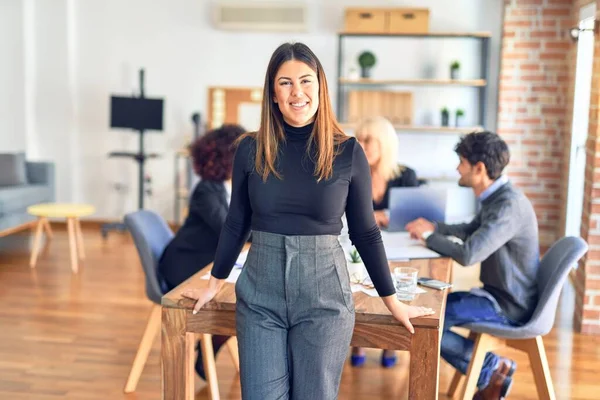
(399, 246)
(367, 287)
(357, 287)
(241, 259)
(236, 270)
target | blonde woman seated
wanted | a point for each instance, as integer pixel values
(379, 140)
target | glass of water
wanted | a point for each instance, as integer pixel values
(405, 281)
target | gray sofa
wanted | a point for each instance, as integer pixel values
(22, 184)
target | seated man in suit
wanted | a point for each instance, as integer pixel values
(503, 237)
(195, 243)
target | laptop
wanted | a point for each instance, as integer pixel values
(409, 203)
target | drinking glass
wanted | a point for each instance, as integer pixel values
(405, 281)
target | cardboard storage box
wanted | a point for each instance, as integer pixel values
(386, 20)
(408, 20)
(365, 20)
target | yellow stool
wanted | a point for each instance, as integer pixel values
(71, 212)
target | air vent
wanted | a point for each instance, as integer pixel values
(286, 16)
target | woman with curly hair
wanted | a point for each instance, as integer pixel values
(195, 243)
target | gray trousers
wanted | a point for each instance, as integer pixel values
(294, 317)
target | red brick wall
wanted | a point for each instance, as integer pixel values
(534, 101)
(535, 114)
(587, 278)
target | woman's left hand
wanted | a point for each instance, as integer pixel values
(404, 313)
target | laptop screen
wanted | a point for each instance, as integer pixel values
(410, 203)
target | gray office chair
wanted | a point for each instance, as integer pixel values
(151, 234)
(552, 273)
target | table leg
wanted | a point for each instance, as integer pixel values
(210, 368)
(37, 241)
(80, 249)
(424, 364)
(72, 244)
(48, 229)
(177, 354)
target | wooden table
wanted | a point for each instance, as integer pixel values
(374, 327)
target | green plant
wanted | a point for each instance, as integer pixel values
(354, 256)
(366, 59)
(445, 111)
(455, 65)
(460, 113)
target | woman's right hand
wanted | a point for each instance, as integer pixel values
(204, 295)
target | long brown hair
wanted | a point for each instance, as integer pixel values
(326, 134)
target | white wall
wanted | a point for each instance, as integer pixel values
(12, 117)
(80, 52)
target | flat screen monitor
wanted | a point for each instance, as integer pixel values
(136, 113)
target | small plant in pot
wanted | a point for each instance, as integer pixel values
(445, 117)
(459, 116)
(366, 60)
(356, 267)
(455, 70)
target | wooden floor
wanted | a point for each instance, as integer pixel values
(65, 336)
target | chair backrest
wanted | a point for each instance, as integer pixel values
(552, 273)
(151, 234)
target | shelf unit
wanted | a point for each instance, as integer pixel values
(415, 82)
(480, 84)
(425, 128)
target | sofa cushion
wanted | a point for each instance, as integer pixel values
(18, 198)
(12, 169)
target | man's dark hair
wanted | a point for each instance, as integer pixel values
(486, 147)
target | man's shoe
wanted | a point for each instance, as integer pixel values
(497, 389)
(506, 366)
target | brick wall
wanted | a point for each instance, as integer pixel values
(587, 278)
(533, 104)
(535, 115)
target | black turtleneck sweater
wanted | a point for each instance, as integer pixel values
(297, 204)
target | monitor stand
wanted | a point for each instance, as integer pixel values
(140, 157)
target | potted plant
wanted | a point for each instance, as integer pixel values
(459, 115)
(445, 116)
(455, 70)
(356, 268)
(366, 60)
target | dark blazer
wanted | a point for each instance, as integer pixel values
(407, 178)
(195, 243)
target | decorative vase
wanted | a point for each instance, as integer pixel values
(365, 72)
(353, 74)
(357, 271)
(445, 119)
(454, 73)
